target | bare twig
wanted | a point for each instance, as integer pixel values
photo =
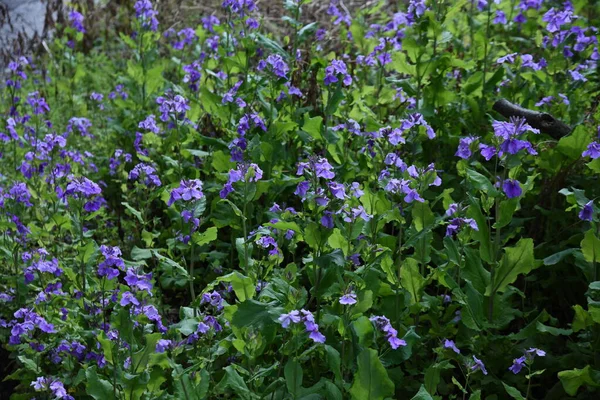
(545, 122)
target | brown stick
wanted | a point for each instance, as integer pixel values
(545, 122)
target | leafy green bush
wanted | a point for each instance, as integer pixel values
(399, 204)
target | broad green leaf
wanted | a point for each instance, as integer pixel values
(138, 254)
(293, 377)
(232, 380)
(552, 330)
(507, 209)
(422, 394)
(363, 328)
(481, 183)
(474, 271)
(242, 285)
(99, 389)
(135, 212)
(140, 359)
(590, 246)
(422, 216)
(483, 234)
(573, 379)
(557, 257)
(411, 279)
(472, 312)
(581, 320)
(334, 362)
(371, 380)
(313, 126)
(513, 392)
(205, 237)
(516, 260)
(574, 144)
(338, 241)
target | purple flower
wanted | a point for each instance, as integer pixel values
(587, 212)
(337, 190)
(556, 19)
(593, 150)
(500, 18)
(536, 352)
(162, 345)
(509, 58)
(129, 298)
(172, 106)
(302, 189)
(277, 64)
(76, 20)
(146, 171)
(518, 364)
(512, 188)
(348, 299)
(337, 68)
(187, 190)
(456, 223)
(384, 325)
(478, 365)
(449, 344)
(149, 124)
(327, 220)
(292, 317)
(464, 147)
(146, 15)
(544, 101)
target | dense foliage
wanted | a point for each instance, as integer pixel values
(314, 211)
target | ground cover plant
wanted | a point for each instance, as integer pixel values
(214, 209)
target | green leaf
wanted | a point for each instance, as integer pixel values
(235, 382)
(99, 389)
(552, 330)
(483, 234)
(205, 237)
(422, 394)
(507, 209)
(338, 241)
(574, 144)
(363, 328)
(334, 362)
(590, 246)
(135, 212)
(371, 380)
(573, 379)
(242, 285)
(293, 377)
(140, 359)
(474, 271)
(557, 257)
(313, 126)
(516, 260)
(411, 279)
(472, 312)
(422, 216)
(106, 344)
(513, 392)
(138, 254)
(481, 183)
